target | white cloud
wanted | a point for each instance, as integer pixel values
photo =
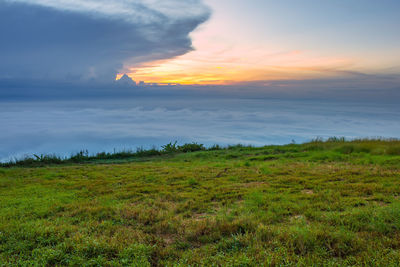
(134, 11)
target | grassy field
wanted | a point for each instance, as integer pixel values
(329, 203)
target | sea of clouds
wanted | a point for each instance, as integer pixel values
(68, 127)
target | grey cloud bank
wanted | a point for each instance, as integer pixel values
(356, 89)
(91, 40)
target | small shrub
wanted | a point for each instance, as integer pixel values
(80, 156)
(141, 152)
(170, 148)
(336, 139)
(191, 147)
(215, 147)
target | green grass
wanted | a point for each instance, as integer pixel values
(333, 203)
(122, 156)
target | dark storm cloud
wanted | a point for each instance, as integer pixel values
(84, 40)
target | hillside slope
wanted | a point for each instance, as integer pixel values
(331, 203)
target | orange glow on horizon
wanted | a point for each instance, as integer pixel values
(197, 68)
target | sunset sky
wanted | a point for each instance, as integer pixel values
(198, 42)
(270, 40)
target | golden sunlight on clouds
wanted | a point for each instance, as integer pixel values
(226, 65)
(223, 57)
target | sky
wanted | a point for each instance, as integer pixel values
(214, 71)
(275, 40)
(198, 42)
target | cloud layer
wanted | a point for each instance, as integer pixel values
(81, 40)
(67, 127)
